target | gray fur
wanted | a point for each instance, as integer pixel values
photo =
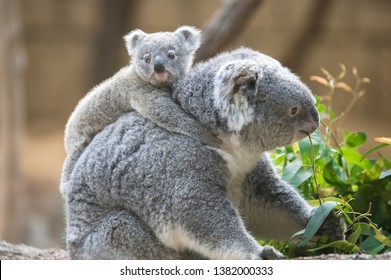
(141, 192)
(136, 87)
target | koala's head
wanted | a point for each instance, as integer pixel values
(162, 58)
(264, 102)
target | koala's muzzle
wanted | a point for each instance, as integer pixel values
(312, 122)
(158, 64)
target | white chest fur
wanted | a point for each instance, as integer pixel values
(240, 161)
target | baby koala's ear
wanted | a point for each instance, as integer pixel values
(192, 37)
(133, 39)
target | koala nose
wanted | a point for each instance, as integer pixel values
(158, 64)
(314, 120)
(315, 115)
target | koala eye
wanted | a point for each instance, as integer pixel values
(147, 58)
(293, 111)
(171, 55)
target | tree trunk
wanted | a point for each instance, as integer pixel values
(12, 64)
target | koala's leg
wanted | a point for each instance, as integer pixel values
(272, 208)
(209, 225)
(120, 235)
(69, 164)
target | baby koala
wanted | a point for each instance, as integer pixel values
(158, 60)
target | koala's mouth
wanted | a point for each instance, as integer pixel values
(300, 134)
(162, 77)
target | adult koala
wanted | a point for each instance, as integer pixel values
(142, 192)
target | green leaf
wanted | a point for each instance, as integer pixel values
(356, 139)
(333, 175)
(343, 245)
(365, 229)
(354, 236)
(372, 245)
(385, 174)
(356, 171)
(305, 147)
(317, 220)
(302, 175)
(295, 173)
(316, 202)
(354, 157)
(381, 237)
(321, 108)
(300, 232)
(305, 151)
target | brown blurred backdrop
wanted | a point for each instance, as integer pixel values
(70, 46)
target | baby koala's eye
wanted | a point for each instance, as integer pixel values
(171, 55)
(147, 58)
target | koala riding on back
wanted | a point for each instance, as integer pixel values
(158, 60)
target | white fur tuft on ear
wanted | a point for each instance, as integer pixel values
(192, 37)
(132, 40)
(231, 82)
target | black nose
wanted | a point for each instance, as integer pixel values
(315, 114)
(158, 64)
(314, 123)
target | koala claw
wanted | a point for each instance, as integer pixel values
(269, 253)
(212, 140)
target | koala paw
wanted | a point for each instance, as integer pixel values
(269, 253)
(212, 140)
(334, 227)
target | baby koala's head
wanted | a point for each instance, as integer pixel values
(162, 58)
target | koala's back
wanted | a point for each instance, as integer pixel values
(152, 164)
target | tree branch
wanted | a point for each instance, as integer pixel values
(22, 252)
(225, 25)
(305, 40)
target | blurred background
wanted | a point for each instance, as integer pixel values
(52, 52)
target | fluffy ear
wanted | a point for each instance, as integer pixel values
(235, 83)
(237, 77)
(133, 39)
(192, 37)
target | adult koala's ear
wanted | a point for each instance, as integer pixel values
(234, 85)
(133, 39)
(191, 36)
(238, 77)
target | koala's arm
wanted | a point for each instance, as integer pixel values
(99, 108)
(165, 112)
(276, 210)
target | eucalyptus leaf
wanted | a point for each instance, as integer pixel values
(354, 236)
(317, 220)
(381, 237)
(295, 173)
(356, 139)
(343, 245)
